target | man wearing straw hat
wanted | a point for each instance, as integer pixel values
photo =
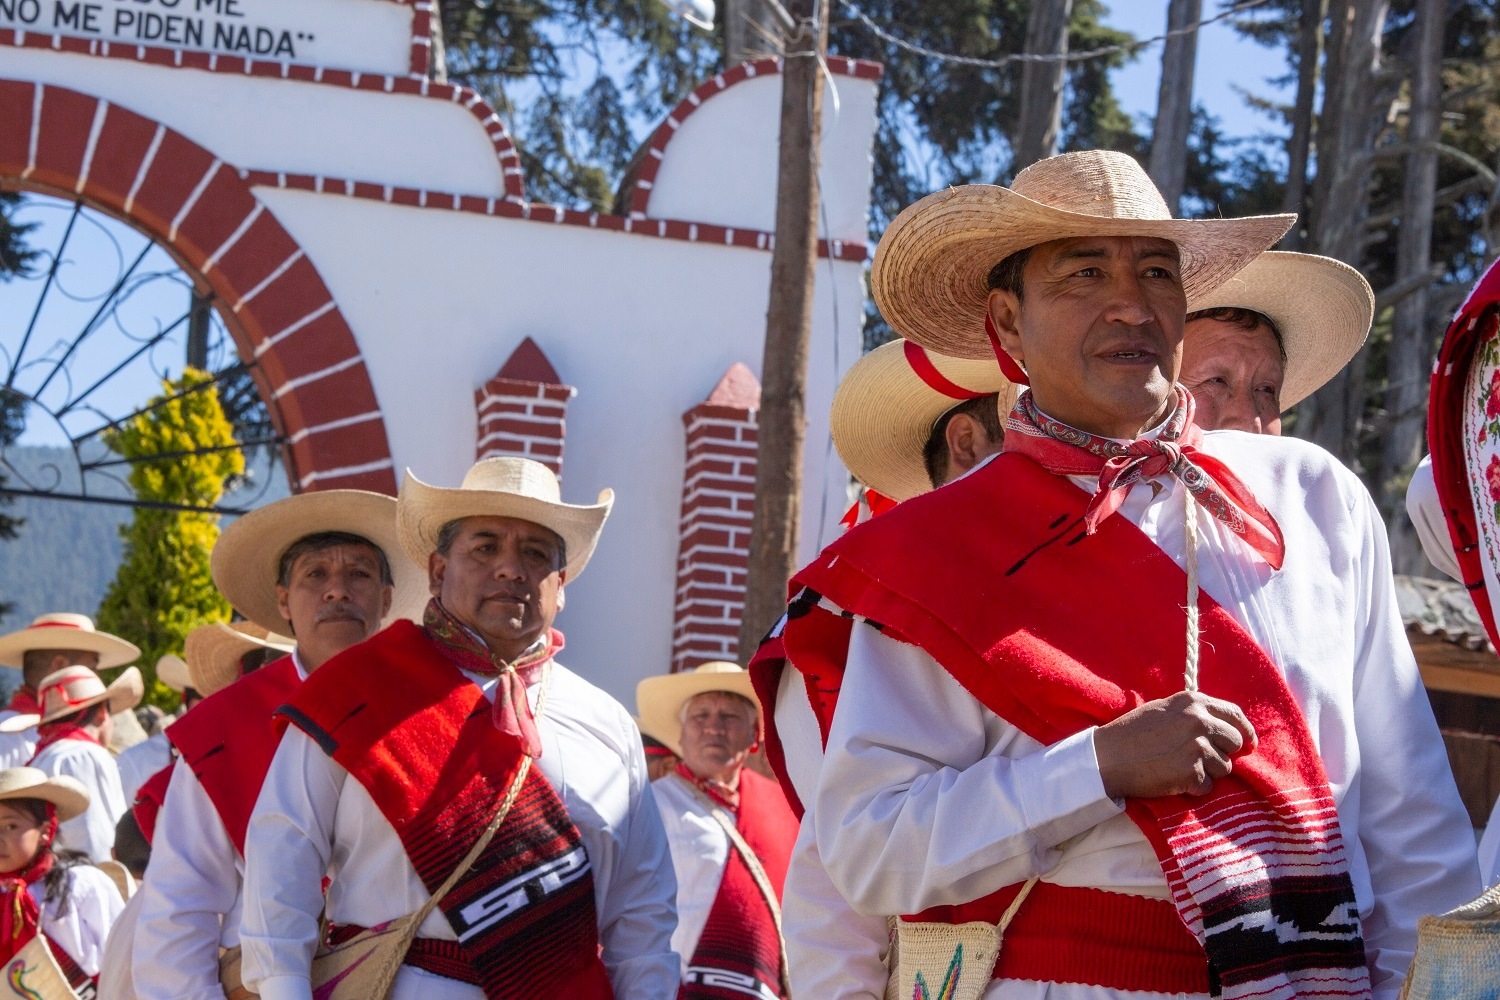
(319, 567)
(1074, 758)
(537, 867)
(50, 643)
(73, 733)
(730, 830)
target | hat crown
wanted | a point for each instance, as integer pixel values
(1095, 182)
(718, 667)
(520, 476)
(68, 687)
(64, 619)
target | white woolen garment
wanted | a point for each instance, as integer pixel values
(93, 833)
(82, 926)
(1426, 513)
(700, 849)
(140, 764)
(310, 819)
(927, 798)
(16, 749)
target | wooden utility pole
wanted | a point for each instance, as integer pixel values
(783, 393)
(750, 31)
(1042, 84)
(1299, 146)
(1174, 103)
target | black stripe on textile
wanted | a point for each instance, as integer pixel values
(1285, 924)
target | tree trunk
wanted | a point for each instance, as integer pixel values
(783, 394)
(1299, 146)
(437, 47)
(1040, 125)
(1351, 118)
(1174, 103)
(750, 31)
(1411, 339)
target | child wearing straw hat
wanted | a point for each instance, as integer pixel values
(56, 911)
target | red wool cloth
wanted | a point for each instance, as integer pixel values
(228, 739)
(152, 795)
(417, 734)
(740, 952)
(1257, 868)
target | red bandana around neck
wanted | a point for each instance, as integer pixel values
(56, 732)
(1064, 450)
(24, 702)
(721, 793)
(512, 710)
(19, 913)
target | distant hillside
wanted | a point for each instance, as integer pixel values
(67, 552)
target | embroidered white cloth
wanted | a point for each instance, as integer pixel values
(93, 833)
(700, 849)
(310, 819)
(927, 798)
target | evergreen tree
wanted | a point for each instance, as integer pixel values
(163, 589)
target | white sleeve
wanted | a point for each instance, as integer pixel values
(93, 832)
(287, 851)
(918, 805)
(1489, 847)
(82, 927)
(1413, 827)
(190, 887)
(1426, 513)
(833, 953)
(637, 918)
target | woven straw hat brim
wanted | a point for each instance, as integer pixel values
(113, 651)
(659, 700)
(67, 795)
(883, 414)
(122, 693)
(424, 509)
(214, 652)
(930, 278)
(1323, 308)
(248, 554)
(172, 670)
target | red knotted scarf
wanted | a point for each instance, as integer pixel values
(24, 701)
(1064, 450)
(56, 732)
(19, 913)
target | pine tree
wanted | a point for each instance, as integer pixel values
(163, 589)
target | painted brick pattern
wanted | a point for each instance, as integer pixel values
(523, 409)
(718, 502)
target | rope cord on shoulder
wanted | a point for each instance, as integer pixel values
(1191, 561)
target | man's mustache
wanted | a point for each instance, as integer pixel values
(342, 609)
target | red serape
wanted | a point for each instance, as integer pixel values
(739, 953)
(420, 738)
(228, 740)
(152, 796)
(1257, 868)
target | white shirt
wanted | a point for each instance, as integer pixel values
(310, 820)
(81, 927)
(141, 762)
(115, 982)
(16, 749)
(700, 850)
(93, 833)
(193, 899)
(927, 798)
(1426, 513)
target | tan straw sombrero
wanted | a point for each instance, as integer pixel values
(73, 689)
(930, 278)
(659, 700)
(214, 652)
(172, 670)
(67, 795)
(886, 405)
(500, 487)
(247, 556)
(63, 630)
(1323, 308)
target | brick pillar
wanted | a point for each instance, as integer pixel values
(521, 409)
(718, 497)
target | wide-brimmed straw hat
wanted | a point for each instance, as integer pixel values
(63, 630)
(500, 487)
(930, 277)
(659, 700)
(172, 670)
(73, 689)
(886, 405)
(214, 652)
(247, 557)
(67, 795)
(1323, 308)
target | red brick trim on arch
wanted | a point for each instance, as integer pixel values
(283, 318)
(656, 149)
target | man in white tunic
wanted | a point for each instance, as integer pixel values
(74, 730)
(320, 566)
(50, 643)
(577, 877)
(728, 886)
(140, 762)
(1295, 592)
